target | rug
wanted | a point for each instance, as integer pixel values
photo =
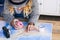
(45, 32)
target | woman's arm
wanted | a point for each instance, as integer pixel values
(33, 17)
(6, 14)
(35, 14)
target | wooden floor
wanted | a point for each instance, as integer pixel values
(56, 25)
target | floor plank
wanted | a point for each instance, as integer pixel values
(56, 25)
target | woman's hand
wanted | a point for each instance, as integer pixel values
(31, 27)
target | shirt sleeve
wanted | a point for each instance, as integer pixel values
(8, 18)
(6, 14)
(35, 14)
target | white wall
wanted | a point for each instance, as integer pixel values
(49, 7)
